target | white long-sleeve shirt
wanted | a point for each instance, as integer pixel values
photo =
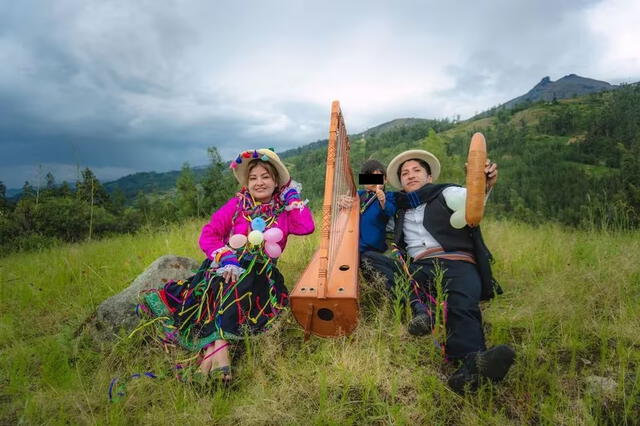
(417, 238)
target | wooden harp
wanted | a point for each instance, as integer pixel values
(325, 298)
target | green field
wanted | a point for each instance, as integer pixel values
(570, 309)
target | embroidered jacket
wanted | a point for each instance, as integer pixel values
(373, 222)
(436, 222)
(215, 235)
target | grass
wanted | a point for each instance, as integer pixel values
(570, 310)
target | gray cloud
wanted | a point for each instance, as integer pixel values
(125, 86)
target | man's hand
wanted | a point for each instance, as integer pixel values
(345, 201)
(491, 170)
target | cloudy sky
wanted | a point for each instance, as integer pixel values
(124, 86)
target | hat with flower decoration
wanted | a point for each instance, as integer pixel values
(241, 163)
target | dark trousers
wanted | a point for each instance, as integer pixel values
(377, 266)
(462, 286)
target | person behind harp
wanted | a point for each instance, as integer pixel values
(377, 206)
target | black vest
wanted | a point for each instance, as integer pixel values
(436, 222)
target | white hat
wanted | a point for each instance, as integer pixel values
(412, 154)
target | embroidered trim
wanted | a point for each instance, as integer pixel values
(237, 270)
(290, 192)
(296, 205)
(215, 262)
(293, 185)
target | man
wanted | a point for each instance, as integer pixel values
(424, 234)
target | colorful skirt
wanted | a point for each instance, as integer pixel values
(203, 308)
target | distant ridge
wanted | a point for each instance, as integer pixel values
(380, 128)
(569, 86)
(148, 182)
(398, 122)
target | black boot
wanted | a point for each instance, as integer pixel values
(422, 323)
(492, 364)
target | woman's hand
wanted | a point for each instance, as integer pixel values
(229, 276)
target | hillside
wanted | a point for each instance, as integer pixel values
(574, 161)
(146, 182)
(571, 87)
(569, 310)
(392, 125)
(162, 182)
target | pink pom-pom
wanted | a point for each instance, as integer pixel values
(237, 240)
(273, 235)
(272, 250)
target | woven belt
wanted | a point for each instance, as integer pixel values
(438, 252)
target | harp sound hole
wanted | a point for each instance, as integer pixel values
(344, 267)
(325, 314)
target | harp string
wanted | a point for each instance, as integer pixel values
(342, 185)
(334, 236)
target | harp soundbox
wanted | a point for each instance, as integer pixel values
(325, 298)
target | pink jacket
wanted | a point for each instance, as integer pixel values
(216, 233)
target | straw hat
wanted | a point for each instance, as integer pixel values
(240, 164)
(412, 154)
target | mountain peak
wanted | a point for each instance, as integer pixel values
(569, 86)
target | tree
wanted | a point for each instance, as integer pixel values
(452, 167)
(630, 173)
(50, 186)
(3, 197)
(65, 189)
(143, 205)
(187, 193)
(215, 185)
(27, 190)
(91, 190)
(117, 201)
(50, 181)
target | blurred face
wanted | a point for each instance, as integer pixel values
(413, 176)
(261, 184)
(374, 187)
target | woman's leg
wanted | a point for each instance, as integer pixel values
(215, 356)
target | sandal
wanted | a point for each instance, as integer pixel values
(223, 373)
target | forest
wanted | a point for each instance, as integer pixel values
(574, 162)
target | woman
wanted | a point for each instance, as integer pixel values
(238, 290)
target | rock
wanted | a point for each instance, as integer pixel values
(603, 387)
(118, 312)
